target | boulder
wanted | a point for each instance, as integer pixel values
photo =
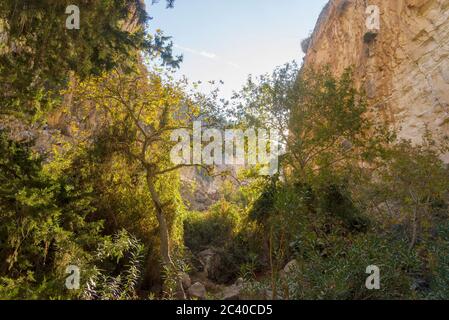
(186, 281)
(210, 260)
(291, 266)
(197, 290)
(233, 292)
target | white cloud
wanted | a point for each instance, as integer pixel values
(204, 54)
(234, 65)
(207, 55)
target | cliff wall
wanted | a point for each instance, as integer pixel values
(403, 66)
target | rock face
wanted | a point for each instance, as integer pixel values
(201, 190)
(198, 190)
(403, 67)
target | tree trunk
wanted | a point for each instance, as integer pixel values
(163, 227)
(164, 234)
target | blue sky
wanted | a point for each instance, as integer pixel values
(229, 39)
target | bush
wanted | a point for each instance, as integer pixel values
(439, 264)
(305, 44)
(215, 228)
(44, 225)
(340, 273)
(297, 215)
(225, 229)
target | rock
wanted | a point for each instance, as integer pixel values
(233, 292)
(420, 284)
(343, 6)
(370, 88)
(441, 121)
(291, 266)
(305, 44)
(239, 282)
(186, 281)
(206, 253)
(210, 260)
(197, 290)
(200, 191)
(445, 72)
(406, 68)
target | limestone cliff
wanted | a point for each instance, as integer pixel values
(403, 67)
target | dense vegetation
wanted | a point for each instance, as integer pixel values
(86, 178)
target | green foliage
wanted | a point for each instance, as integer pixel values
(225, 229)
(40, 53)
(264, 205)
(330, 125)
(298, 210)
(104, 286)
(339, 274)
(439, 264)
(415, 181)
(43, 222)
(336, 200)
(348, 198)
(323, 118)
(172, 274)
(332, 229)
(215, 228)
(267, 101)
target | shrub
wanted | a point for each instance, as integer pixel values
(439, 264)
(305, 44)
(225, 229)
(123, 249)
(44, 224)
(340, 273)
(214, 228)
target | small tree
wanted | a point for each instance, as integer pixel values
(141, 111)
(324, 121)
(415, 181)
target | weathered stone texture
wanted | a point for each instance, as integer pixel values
(404, 69)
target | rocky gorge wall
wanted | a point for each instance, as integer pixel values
(403, 67)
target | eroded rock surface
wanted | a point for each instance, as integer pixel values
(404, 68)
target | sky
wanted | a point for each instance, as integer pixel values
(229, 39)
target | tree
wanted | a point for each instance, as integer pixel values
(413, 184)
(140, 110)
(39, 53)
(324, 121)
(43, 221)
(170, 3)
